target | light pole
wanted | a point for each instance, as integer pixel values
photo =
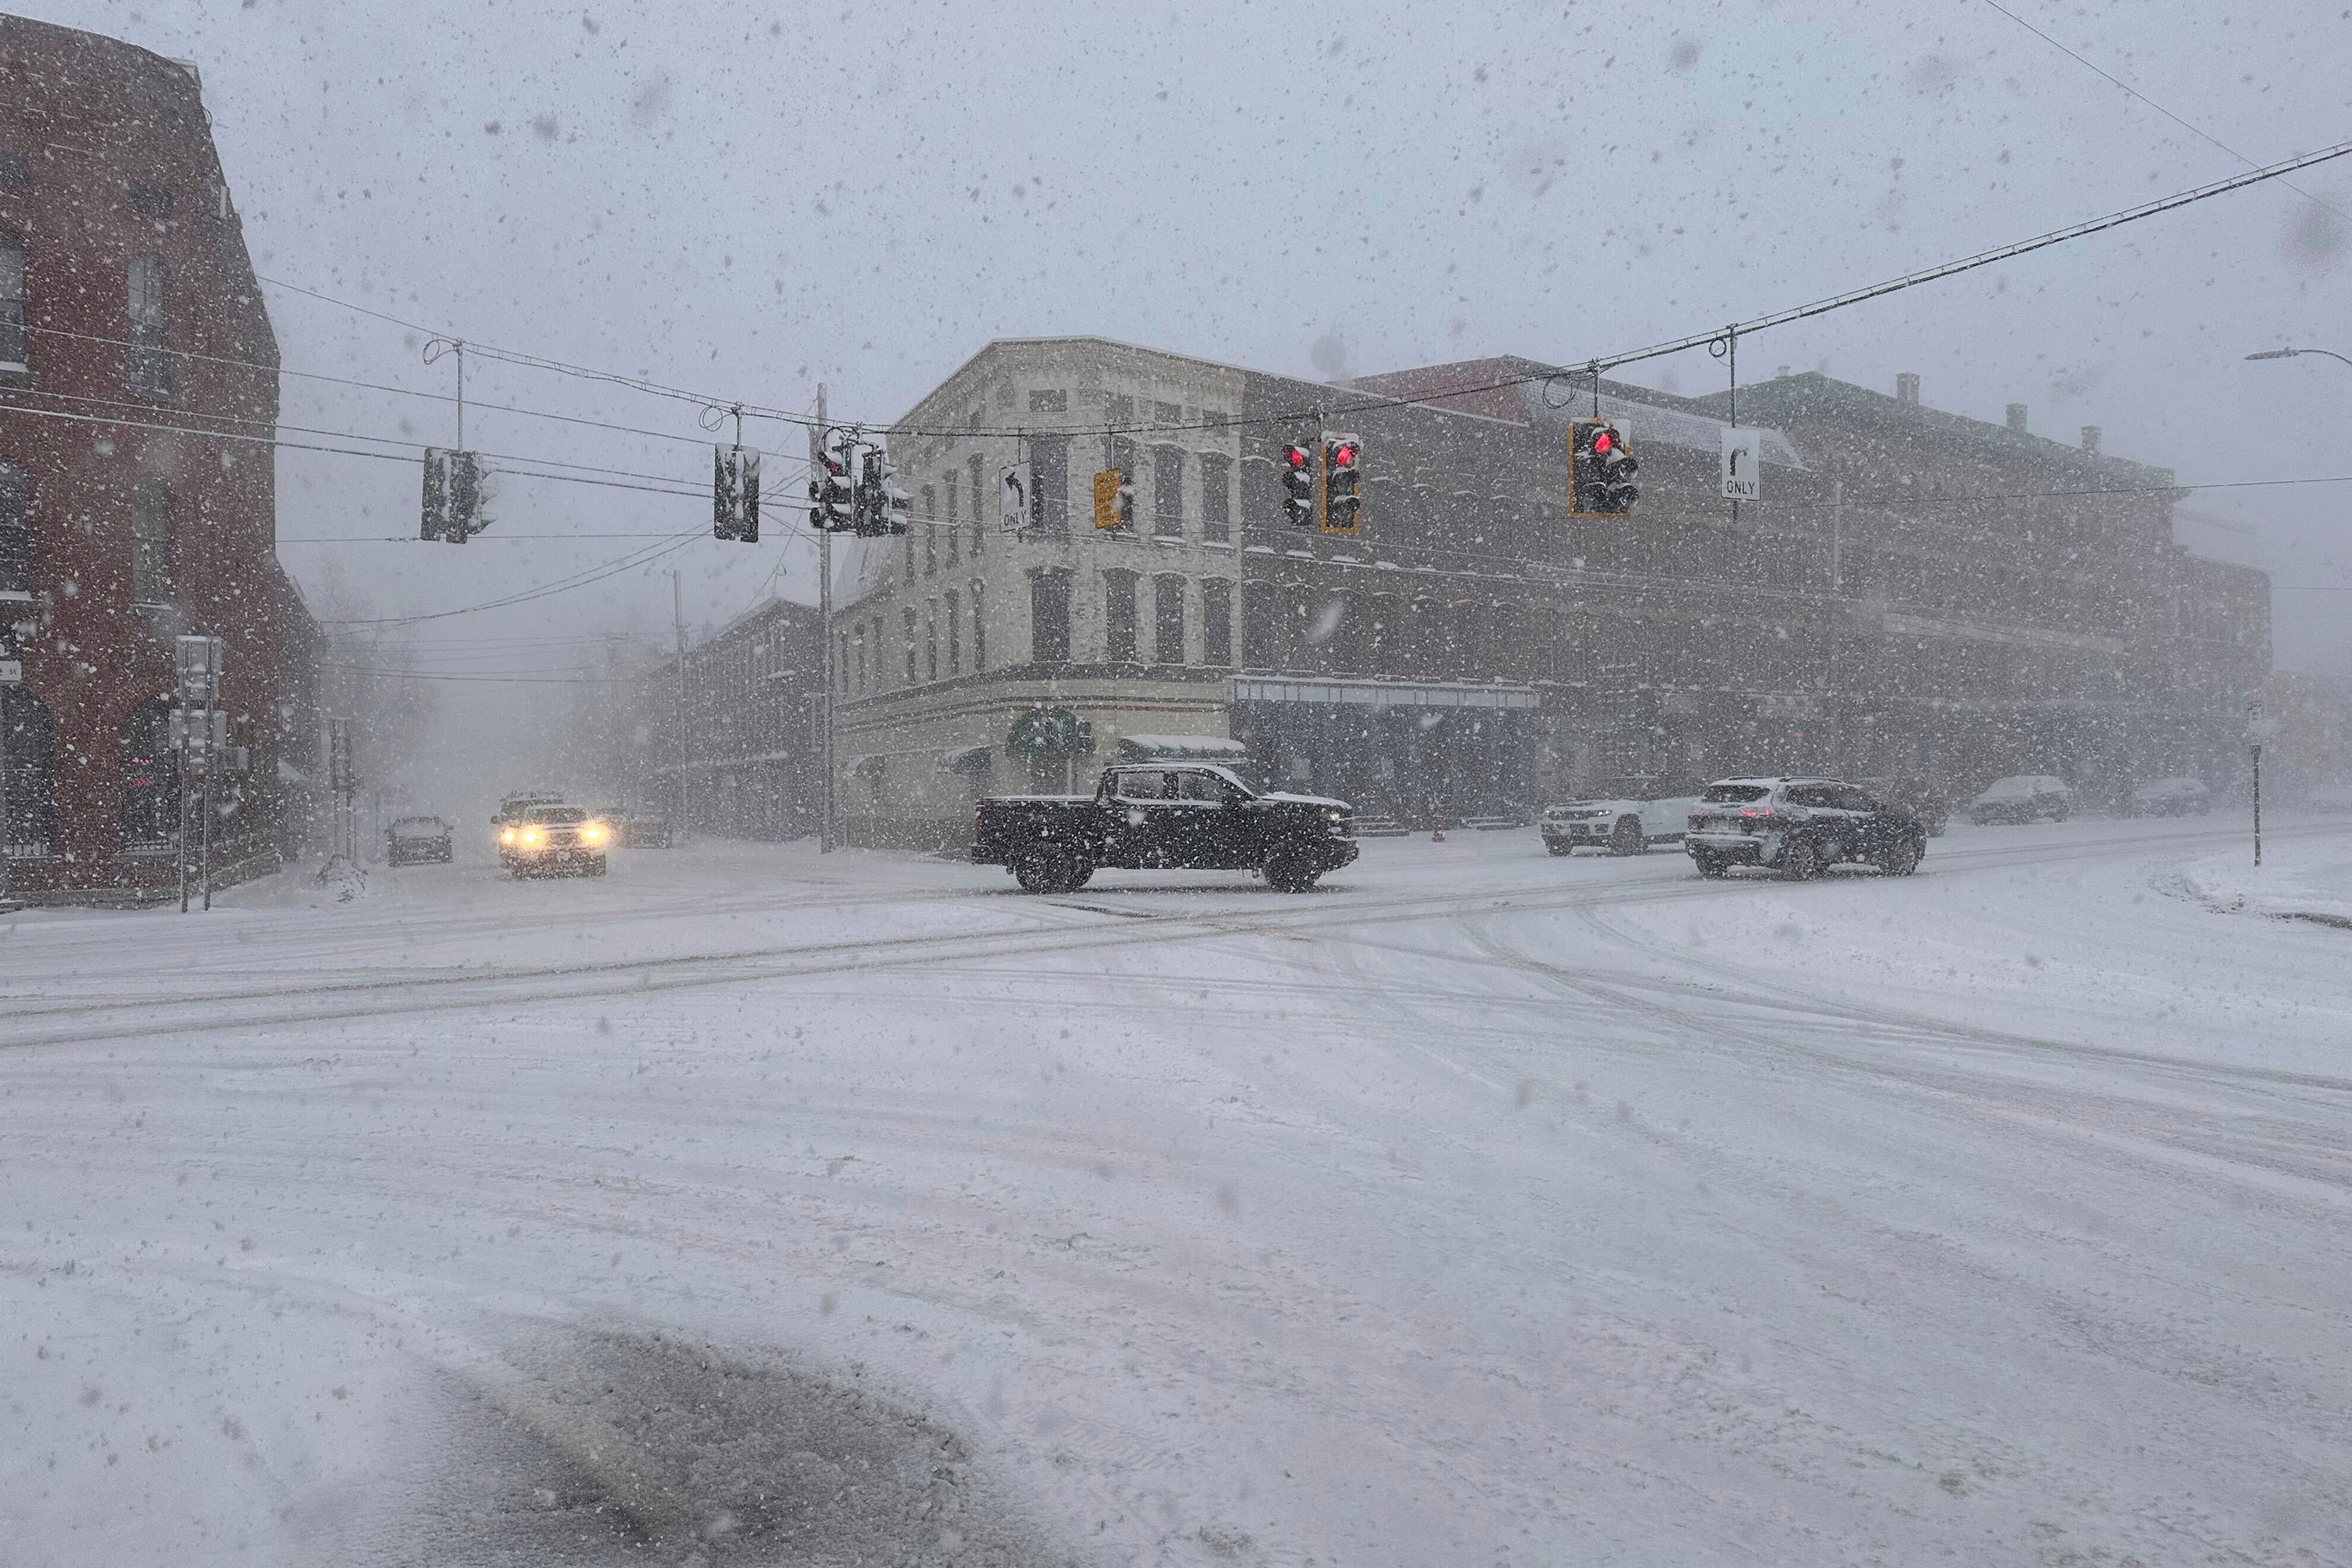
(2290, 353)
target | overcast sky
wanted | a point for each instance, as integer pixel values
(749, 199)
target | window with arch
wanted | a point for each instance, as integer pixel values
(16, 354)
(15, 529)
(150, 354)
(151, 542)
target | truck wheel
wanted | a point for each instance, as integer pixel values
(1288, 872)
(1627, 838)
(1047, 869)
(1801, 860)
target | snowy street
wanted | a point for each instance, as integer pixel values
(1478, 1207)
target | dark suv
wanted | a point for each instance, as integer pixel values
(1799, 828)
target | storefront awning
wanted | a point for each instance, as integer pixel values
(1386, 693)
(1181, 749)
(972, 760)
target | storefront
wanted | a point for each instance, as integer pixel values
(1416, 751)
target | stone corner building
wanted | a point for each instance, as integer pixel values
(138, 396)
(1916, 592)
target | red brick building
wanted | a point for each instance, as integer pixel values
(138, 398)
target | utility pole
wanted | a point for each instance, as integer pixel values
(1829, 629)
(826, 837)
(685, 752)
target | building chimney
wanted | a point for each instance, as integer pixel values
(1906, 389)
(2090, 437)
(1782, 373)
(2017, 417)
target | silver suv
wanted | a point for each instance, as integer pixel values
(1801, 828)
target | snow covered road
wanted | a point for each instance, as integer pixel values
(1481, 1207)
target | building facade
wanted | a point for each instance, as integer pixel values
(1914, 593)
(138, 396)
(734, 749)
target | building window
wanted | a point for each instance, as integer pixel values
(979, 632)
(14, 354)
(932, 640)
(1167, 490)
(1168, 620)
(906, 543)
(150, 352)
(151, 542)
(1217, 622)
(15, 531)
(1167, 413)
(907, 616)
(16, 173)
(151, 201)
(949, 518)
(955, 634)
(860, 639)
(1118, 617)
(1055, 401)
(1122, 411)
(979, 501)
(1049, 616)
(29, 775)
(929, 526)
(151, 778)
(1216, 496)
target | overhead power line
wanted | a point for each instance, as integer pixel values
(2196, 131)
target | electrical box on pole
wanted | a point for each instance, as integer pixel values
(735, 494)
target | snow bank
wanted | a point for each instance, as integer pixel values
(2301, 879)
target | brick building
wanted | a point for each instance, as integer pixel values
(138, 396)
(1915, 592)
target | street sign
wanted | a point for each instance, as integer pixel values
(1743, 463)
(1015, 498)
(12, 671)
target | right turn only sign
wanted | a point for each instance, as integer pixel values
(1743, 463)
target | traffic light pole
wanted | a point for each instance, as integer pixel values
(825, 829)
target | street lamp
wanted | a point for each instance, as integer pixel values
(2290, 353)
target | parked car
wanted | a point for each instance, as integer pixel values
(1801, 828)
(2023, 798)
(1192, 815)
(553, 841)
(640, 829)
(2172, 798)
(1623, 816)
(1921, 797)
(417, 840)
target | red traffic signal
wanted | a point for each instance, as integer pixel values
(1296, 456)
(1343, 455)
(1603, 440)
(1298, 484)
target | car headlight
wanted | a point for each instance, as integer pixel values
(595, 832)
(530, 838)
(506, 835)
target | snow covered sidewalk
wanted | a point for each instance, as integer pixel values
(2299, 878)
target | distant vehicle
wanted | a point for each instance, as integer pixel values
(1801, 828)
(1190, 817)
(2172, 798)
(414, 840)
(513, 806)
(1920, 797)
(2023, 798)
(641, 829)
(553, 840)
(1623, 816)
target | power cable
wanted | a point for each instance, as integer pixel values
(2198, 131)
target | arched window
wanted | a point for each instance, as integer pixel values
(29, 775)
(151, 778)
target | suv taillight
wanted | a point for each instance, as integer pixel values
(1757, 815)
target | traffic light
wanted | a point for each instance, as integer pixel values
(735, 494)
(1342, 505)
(452, 511)
(1600, 470)
(879, 506)
(829, 489)
(1114, 499)
(1299, 485)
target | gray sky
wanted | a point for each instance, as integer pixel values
(747, 200)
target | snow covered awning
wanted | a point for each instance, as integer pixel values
(1387, 693)
(972, 760)
(1181, 749)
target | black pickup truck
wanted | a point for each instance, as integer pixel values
(1188, 817)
